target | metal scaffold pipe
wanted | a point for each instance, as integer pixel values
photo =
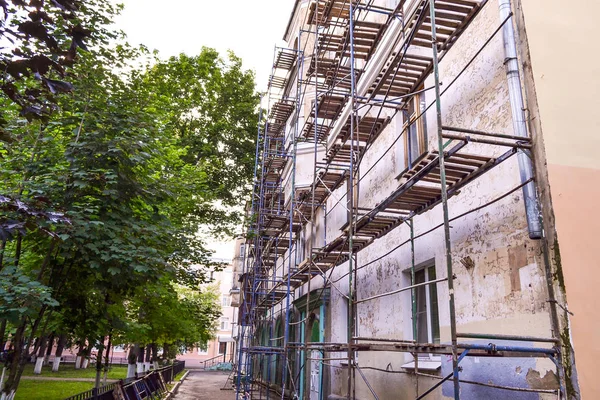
(444, 190)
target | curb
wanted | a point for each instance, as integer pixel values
(173, 392)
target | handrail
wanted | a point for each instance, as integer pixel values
(213, 361)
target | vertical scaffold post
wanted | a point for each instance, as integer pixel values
(292, 246)
(262, 272)
(444, 188)
(350, 202)
(413, 299)
(243, 367)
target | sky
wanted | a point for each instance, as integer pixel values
(250, 28)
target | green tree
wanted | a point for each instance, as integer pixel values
(45, 38)
(104, 199)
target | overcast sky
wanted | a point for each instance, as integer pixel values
(250, 28)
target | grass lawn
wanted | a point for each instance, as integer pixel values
(69, 371)
(50, 390)
(179, 375)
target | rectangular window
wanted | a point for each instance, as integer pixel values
(299, 249)
(224, 323)
(203, 349)
(415, 130)
(225, 301)
(428, 322)
(222, 347)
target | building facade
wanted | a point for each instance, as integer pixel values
(221, 348)
(377, 268)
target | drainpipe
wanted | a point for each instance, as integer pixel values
(517, 105)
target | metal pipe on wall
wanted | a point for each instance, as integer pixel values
(511, 62)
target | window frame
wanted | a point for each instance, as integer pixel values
(224, 320)
(429, 289)
(225, 300)
(203, 349)
(420, 123)
(419, 104)
(430, 361)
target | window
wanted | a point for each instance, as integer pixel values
(222, 347)
(415, 130)
(299, 248)
(224, 323)
(203, 349)
(225, 301)
(428, 322)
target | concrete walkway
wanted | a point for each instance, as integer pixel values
(201, 385)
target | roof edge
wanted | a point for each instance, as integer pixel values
(289, 24)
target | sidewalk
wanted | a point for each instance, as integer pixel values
(201, 385)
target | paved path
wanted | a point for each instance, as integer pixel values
(51, 378)
(200, 385)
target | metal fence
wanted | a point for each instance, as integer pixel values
(152, 385)
(73, 358)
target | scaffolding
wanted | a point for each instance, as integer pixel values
(361, 64)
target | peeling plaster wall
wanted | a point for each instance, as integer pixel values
(504, 293)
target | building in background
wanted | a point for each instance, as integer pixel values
(239, 253)
(222, 347)
(423, 205)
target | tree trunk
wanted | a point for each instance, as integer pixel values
(165, 355)
(18, 249)
(99, 362)
(2, 248)
(140, 359)
(131, 359)
(154, 348)
(39, 361)
(62, 339)
(148, 358)
(2, 379)
(82, 352)
(10, 384)
(85, 361)
(49, 348)
(2, 333)
(19, 358)
(107, 358)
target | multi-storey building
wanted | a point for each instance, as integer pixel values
(221, 348)
(423, 205)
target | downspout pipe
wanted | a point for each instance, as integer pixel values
(511, 62)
